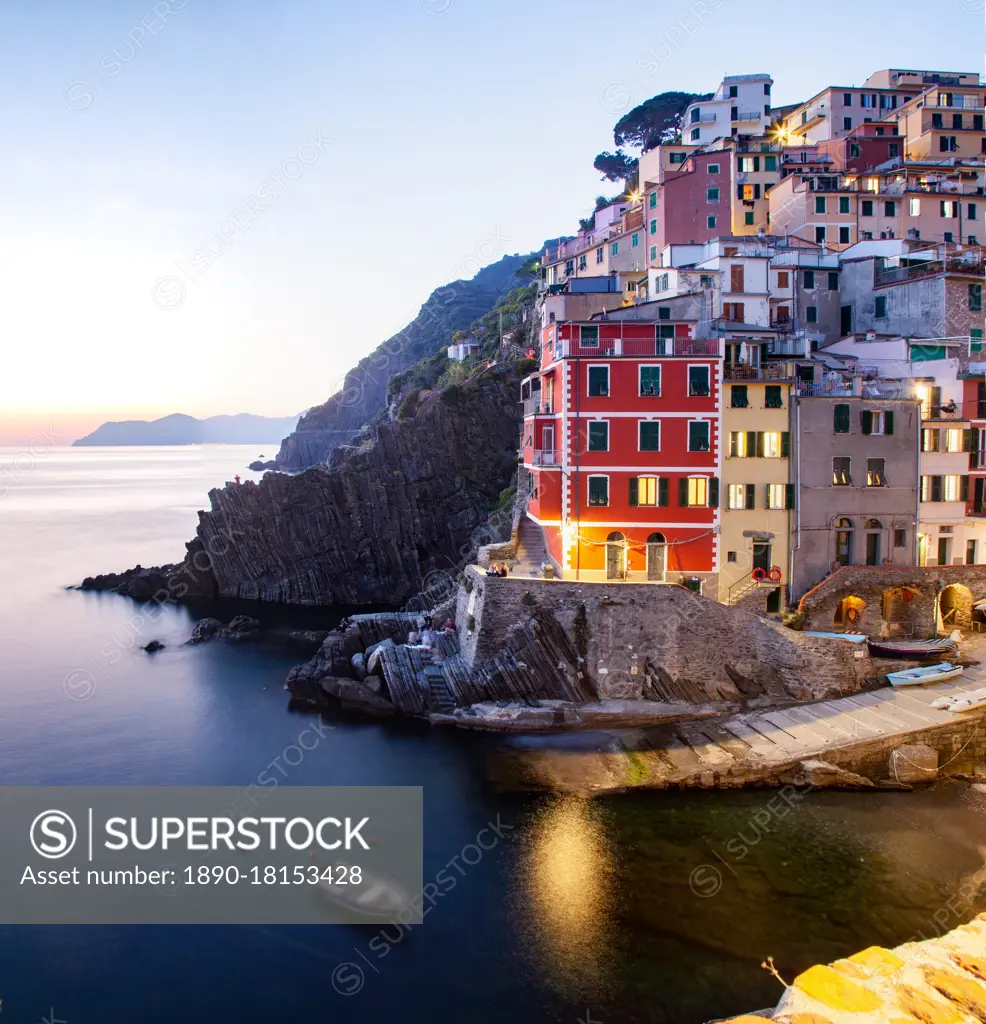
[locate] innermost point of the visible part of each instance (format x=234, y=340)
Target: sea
x=648, y=907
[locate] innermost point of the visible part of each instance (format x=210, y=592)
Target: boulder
x=205, y=629
x=356, y=697
x=358, y=661
x=241, y=627
x=153, y=645
x=914, y=762
x=817, y=774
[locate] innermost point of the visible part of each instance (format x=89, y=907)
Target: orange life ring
x=908, y=596
x=853, y=614
x=759, y=574
x=774, y=575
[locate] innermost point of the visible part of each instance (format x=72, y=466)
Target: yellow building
x=757, y=494
x=943, y=123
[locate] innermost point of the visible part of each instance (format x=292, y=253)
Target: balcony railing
x=826, y=389
x=609, y=347
x=769, y=371
x=546, y=457
x=702, y=118
x=974, y=267
x=948, y=411
x=747, y=115
x=977, y=460
x=538, y=407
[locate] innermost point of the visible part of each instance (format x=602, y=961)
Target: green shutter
x=751, y=496
x=683, y=492
x=714, y=491
x=789, y=496
x=967, y=441
x=974, y=443
x=866, y=419
x=888, y=421
x=662, y=492
x=936, y=482
x=841, y=419
x=964, y=489
x=633, y=490
x=785, y=444
x=732, y=443
x=751, y=443
x=759, y=449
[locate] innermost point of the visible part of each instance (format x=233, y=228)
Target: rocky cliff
x=363, y=396
x=371, y=524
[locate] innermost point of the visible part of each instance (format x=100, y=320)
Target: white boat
x=968, y=701
x=925, y=675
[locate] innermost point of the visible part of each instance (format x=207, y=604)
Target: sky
x=217, y=207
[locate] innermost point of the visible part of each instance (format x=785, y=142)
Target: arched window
x=616, y=556
x=657, y=557
x=874, y=524
x=844, y=541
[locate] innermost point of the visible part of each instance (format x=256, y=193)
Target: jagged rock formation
x=179, y=581
x=369, y=526
x=363, y=396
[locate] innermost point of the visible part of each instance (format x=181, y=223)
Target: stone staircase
x=531, y=549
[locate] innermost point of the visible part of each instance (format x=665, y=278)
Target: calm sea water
x=646, y=908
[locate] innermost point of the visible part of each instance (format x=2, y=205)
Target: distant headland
x=243, y=428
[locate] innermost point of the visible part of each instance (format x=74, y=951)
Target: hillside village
x=765, y=361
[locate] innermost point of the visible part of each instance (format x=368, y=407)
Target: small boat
x=924, y=676
x=854, y=638
x=968, y=701
x=373, y=898
x=913, y=648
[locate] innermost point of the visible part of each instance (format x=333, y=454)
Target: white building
x=741, y=105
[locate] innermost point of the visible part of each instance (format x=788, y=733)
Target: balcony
x=702, y=118
x=538, y=406
x=545, y=457
x=975, y=266
x=637, y=347
x=951, y=411
x=747, y=115
x=977, y=460
x=769, y=371
x=825, y=389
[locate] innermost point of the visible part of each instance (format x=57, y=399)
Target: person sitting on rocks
x=449, y=626
x=429, y=637
x=414, y=637
x=501, y=569
x=491, y=569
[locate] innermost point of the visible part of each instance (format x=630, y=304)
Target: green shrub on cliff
x=506, y=499
x=409, y=406
x=526, y=366
x=451, y=395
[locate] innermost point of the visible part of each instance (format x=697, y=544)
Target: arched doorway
x=899, y=615
x=955, y=608
x=616, y=556
x=844, y=530
x=874, y=536
x=657, y=557
x=849, y=612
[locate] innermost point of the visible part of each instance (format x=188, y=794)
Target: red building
x=621, y=444
x=974, y=408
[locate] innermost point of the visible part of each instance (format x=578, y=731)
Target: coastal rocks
x=241, y=627
x=190, y=578
x=355, y=696
x=153, y=646
x=381, y=520
x=818, y=774
x=258, y=465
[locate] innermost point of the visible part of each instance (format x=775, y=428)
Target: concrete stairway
x=531, y=550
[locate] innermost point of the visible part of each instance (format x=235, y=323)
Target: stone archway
x=616, y=556
x=955, y=608
x=899, y=615
x=849, y=612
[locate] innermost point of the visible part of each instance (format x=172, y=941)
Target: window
x=569, y=266
x=867, y=99
x=598, y=381
x=650, y=381
x=739, y=397
x=772, y=398
x=900, y=538
x=970, y=212
x=819, y=234
x=953, y=439
x=854, y=150
x=698, y=435
x=598, y=490
x=957, y=121
x=833, y=281
x=653, y=252
x=710, y=223
x=582, y=262
x=952, y=487
x=936, y=121
x=881, y=307
x=634, y=240
x=599, y=255
x=736, y=496
x=712, y=168
x=712, y=195
x=841, y=471
x=811, y=314
x=742, y=444
x=614, y=249
x=914, y=207
x=890, y=208
x=819, y=204
x=696, y=134
x=949, y=209
x=847, y=125
x=664, y=312
x=588, y=335
x=733, y=91
x=866, y=208
x=947, y=144
x=677, y=158
x=783, y=281
x=748, y=163
x=876, y=472
x=841, y=419
x=976, y=298
x=843, y=204
x=773, y=444
x=730, y=556
x=877, y=421
x=843, y=236
x=748, y=218
x=766, y=88
x=644, y=490
x=777, y=496
x=746, y=192
x=653, y=226
x=930, y=440
x=893, y=150
x=696, y=492
x=598, y=436
x=847, y=99
x=809, y=279
x=649, y=436
x=698, y=381
x=770, y=163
